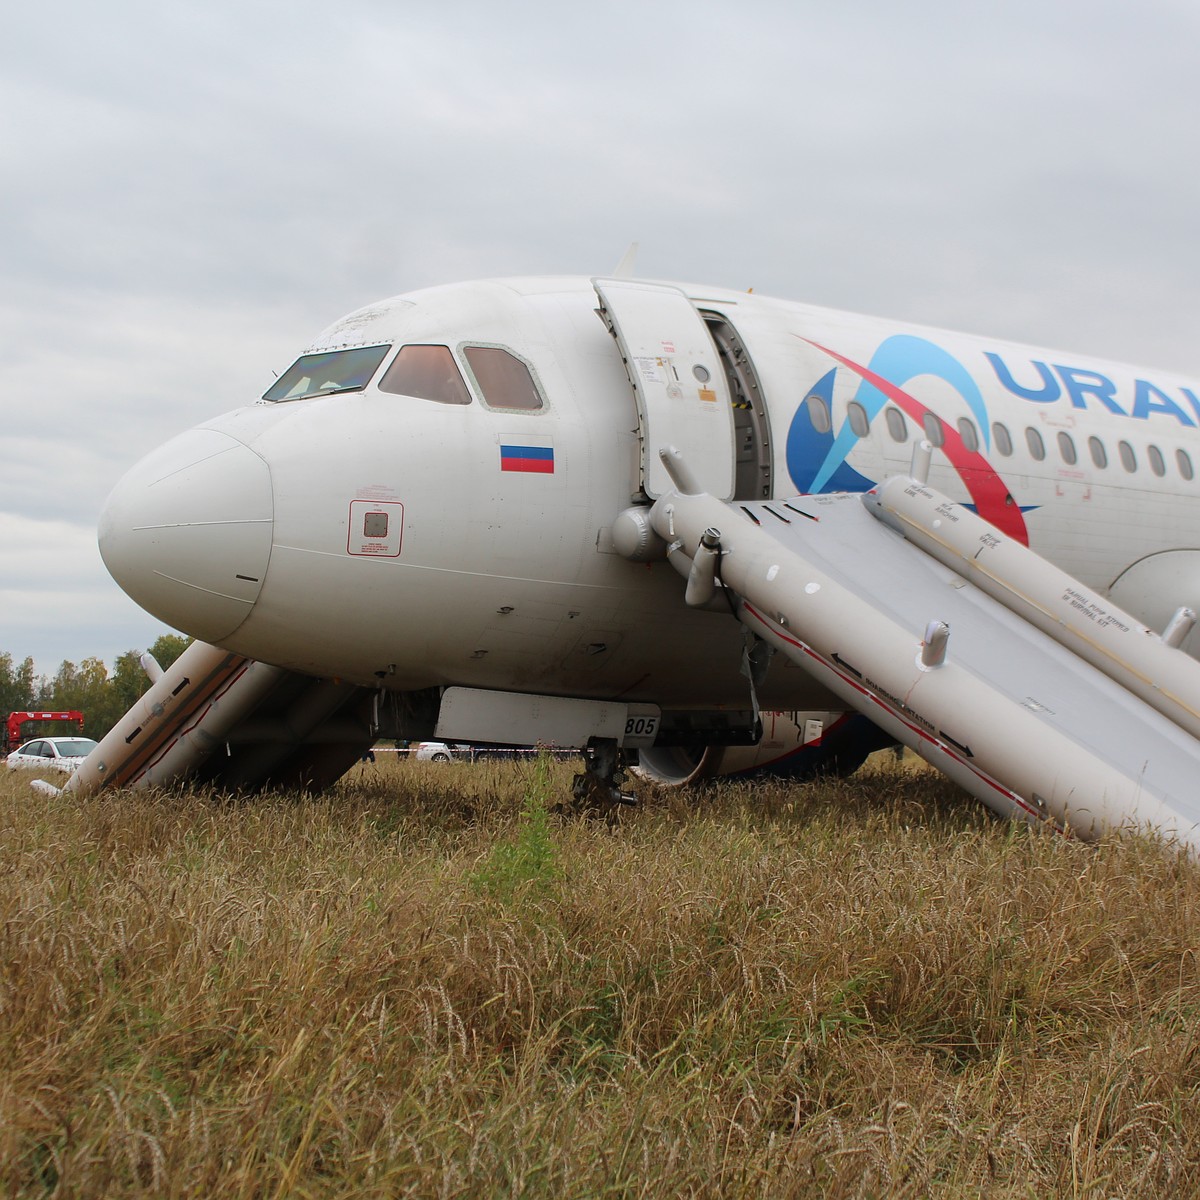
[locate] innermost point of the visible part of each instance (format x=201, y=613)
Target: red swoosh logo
x=993, y=501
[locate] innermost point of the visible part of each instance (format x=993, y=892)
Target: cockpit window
x=328, y=372
x=427, y=372
x=503, y=378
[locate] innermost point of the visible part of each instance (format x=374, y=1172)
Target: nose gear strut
x=596, y=791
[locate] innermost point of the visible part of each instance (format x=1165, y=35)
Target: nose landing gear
x=596, y=790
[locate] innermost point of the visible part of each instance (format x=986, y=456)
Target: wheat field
x=420, y=984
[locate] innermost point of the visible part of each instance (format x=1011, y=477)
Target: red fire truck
x=14, y=728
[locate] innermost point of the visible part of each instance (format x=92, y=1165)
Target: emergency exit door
x=678, y=381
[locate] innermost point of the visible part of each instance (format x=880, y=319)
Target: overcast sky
x=190, y=191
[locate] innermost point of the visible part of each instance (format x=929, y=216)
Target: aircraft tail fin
x=624, y=269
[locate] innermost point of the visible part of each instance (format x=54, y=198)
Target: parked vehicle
x=53, y=753
x=442, y=751
x=14, y=725
x=466, y=752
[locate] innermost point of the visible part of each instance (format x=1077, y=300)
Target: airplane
x=464, y=512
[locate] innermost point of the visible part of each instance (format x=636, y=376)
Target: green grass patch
x=423, y=984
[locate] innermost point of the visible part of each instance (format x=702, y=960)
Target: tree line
x=103, y=697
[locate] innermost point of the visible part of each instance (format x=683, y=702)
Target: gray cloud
x=191, y=192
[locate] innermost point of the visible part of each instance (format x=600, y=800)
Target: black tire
x=441, y=756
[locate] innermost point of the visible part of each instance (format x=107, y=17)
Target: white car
x=52, y=753
x=441, y=751
x=466, y=752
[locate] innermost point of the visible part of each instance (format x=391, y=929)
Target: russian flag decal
x=536, y=459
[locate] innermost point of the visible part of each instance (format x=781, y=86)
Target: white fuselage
x=385, y=538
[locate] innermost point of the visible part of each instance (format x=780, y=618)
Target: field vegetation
x=422, y=984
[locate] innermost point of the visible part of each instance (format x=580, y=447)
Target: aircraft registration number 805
x=641, y=725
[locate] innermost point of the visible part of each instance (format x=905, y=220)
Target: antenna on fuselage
x=624, y=269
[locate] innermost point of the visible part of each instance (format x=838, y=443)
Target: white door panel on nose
x=683, y=399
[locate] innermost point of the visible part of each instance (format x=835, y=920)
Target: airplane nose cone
x=187, y=532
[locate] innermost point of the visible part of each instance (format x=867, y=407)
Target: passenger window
x=897, y=426
x=1033, y=440
x=968, y=433
x=1098, y=452
x=1184, y=462
x=1155, y=458
x=1128, y=458
x=428, y=373
x=503, y=378
x=818, y=414
x=1002, y=438
x=1066, y=447
x=933, y=430
x=859, y=424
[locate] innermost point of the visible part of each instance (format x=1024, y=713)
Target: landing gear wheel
x=596, y=791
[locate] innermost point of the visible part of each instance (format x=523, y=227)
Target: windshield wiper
x=333, y=390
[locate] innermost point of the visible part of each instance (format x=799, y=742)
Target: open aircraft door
x=682, y=394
